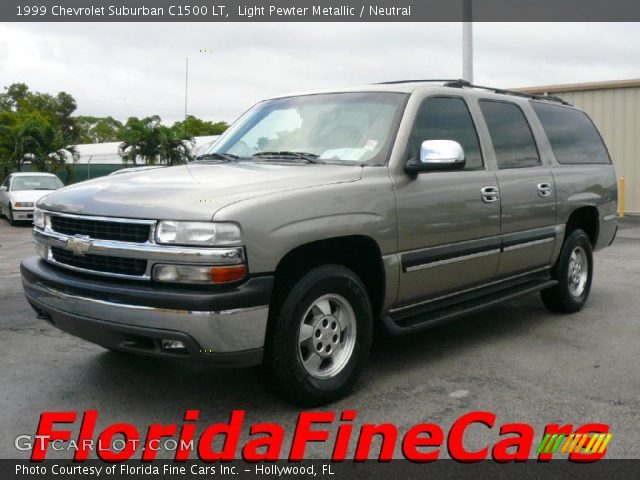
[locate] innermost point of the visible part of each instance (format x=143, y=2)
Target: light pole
x=467, y=41
x=186, y=84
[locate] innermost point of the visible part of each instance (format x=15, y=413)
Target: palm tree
x=33, y=138
x=154, y=143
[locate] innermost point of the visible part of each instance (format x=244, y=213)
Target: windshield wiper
x=228, y=157
x=309, y=157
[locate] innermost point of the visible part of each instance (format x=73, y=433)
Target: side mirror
x=438, y=155
x=3, y=188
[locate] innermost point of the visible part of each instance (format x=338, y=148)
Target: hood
x=190, y=192
x=28, y=195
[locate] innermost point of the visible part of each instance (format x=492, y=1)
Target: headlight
x=38, y=218
x=23, y=205
x=205, y=234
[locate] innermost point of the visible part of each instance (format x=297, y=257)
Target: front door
x=449, y=222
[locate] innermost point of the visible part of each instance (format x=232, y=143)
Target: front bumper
x=226, y=326
x=23, y=214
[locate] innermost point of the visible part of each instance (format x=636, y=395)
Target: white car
x=20, y=192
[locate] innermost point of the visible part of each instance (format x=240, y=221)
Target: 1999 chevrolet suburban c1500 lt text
x=316, y=216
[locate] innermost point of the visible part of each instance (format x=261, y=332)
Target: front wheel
x=319, y=338
x=10, y=216
x=574, y=271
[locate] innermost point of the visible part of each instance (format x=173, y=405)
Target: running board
x=426, y=315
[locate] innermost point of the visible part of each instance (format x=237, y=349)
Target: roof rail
x=459, y=83
x=393, y=82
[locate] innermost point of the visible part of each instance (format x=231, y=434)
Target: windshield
x=35, y=182
x=349, y=127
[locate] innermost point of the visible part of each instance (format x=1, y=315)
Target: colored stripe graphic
x=574, y=443
x=570, y=440
x=543, y=443
x=605, y=443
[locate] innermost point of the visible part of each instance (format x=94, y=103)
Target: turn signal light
x=228, y=274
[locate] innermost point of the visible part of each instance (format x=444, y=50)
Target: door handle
x=544, y=189
x=490, y=194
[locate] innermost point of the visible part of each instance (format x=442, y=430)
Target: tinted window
x=511, y=135
x=573, y=136
x=444, y=118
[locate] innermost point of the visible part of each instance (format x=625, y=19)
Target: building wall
x=616, y=113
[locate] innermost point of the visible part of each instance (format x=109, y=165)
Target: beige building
x=615, y=108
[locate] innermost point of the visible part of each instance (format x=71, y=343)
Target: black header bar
x=319, y=10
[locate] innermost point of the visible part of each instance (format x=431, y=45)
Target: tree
x=195, y=127
x=35, y=127
x=153, y=142
x=98, y=129
x=32, y=138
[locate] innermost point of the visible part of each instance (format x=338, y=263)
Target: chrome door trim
x=452, y=260
x=528, y=244
x=416, y=260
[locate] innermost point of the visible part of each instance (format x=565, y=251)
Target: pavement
x=517, y=360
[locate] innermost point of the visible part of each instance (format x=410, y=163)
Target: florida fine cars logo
x=79, y=244
x=423, y=442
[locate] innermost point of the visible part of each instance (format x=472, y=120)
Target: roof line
x=576, y=87
x=465, y=84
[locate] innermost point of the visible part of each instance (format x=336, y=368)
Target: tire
x=319, y=337
x=574, y=272
x=12, y=222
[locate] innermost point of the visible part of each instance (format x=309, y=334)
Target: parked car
x=317, y=216
x=20, y=192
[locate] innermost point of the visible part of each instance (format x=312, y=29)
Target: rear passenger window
x=446, y=118
x=511, y=135
x=573, y=136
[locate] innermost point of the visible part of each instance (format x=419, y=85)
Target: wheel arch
x=585, y=218
x=359, y=253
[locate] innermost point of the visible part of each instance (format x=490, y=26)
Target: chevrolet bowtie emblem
x=79, y=244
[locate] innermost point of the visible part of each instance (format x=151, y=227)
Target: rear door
x=527, y=190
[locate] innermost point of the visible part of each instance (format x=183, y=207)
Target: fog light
x=199, y=274
x=174, y=346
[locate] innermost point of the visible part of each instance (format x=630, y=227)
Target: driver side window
x=446, y=118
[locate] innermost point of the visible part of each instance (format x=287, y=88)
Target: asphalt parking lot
x=517, y=360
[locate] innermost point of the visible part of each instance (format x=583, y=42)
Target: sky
x=138, y=69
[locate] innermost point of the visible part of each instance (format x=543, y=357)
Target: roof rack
x=459, y=83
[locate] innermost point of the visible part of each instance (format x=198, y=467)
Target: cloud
x=126, y=69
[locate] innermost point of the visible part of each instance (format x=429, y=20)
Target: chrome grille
x=101, y=229
x=100, y=263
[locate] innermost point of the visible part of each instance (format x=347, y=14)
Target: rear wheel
x=574, y=272
x=319, y=338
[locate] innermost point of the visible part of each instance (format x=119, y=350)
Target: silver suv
x=316, y=216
